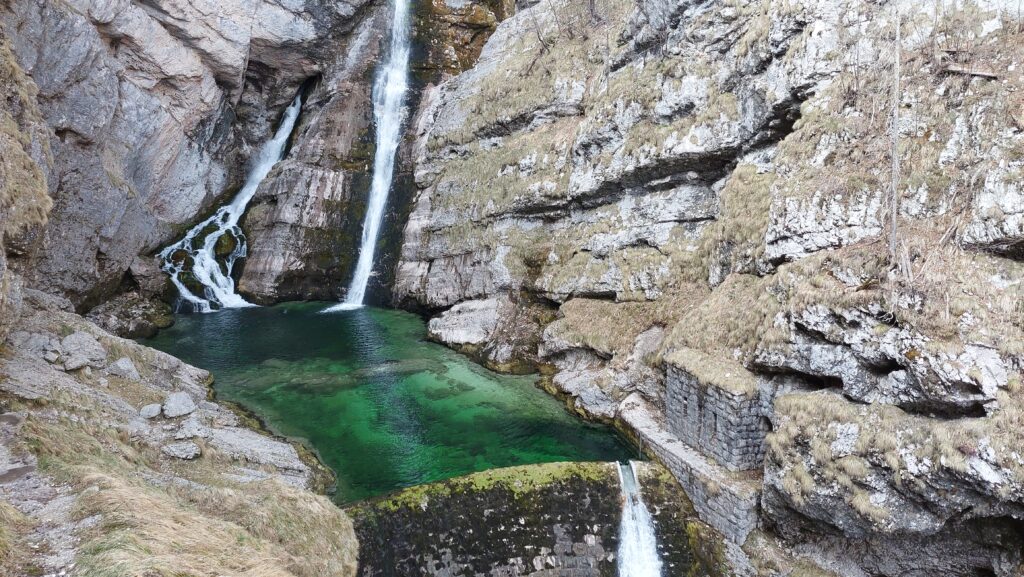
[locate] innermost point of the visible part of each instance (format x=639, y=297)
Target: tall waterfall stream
x=638, y=543
x=388, y=106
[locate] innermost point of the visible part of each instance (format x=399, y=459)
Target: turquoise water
x=384, y=408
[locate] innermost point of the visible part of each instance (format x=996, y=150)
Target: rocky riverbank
x=112, y=455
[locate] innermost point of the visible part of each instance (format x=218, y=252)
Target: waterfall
x=388, y=102
x=197, y=252
x=638, y=544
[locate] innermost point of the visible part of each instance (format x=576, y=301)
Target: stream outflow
x=638, y=542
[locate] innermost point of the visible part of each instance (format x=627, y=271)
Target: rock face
x=152, y=108
x=137, y=488
x=697, y=197
x=304, y=224
x=24, y=154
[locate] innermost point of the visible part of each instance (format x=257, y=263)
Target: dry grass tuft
x=24, y=199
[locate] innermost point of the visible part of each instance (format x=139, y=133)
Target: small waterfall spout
x=638, y=543
x=219, y=235
x=388, y=104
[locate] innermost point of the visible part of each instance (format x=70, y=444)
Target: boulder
x=82, y=349
x=150, y=411
x=467, y=323
x=178, y=405
x=191, y=428
x=124, y=368
x=186, y=450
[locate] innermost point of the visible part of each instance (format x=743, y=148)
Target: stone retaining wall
x=725, y=500
x=727, y=425
x=550, y=520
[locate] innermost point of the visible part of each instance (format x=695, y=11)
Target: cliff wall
x=681, y=211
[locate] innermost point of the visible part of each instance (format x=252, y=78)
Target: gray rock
x=256, y=448
x=467, y=323
x=147, y=274
x=191, y=428
x=186, y=450
x=131, y=315
x=124, y=368
x=178, y=405
x=150, y=411
x=82, y=349
x=51, y=357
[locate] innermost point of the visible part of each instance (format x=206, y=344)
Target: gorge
x=616, y=287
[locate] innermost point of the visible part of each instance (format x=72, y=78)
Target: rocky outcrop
x=152, y=108
x=304, y=223
x=701, y=190
x=152, y=475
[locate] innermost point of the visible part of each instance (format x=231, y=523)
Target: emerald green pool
x=384, y=408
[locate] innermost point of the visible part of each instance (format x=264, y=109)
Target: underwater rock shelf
x=381, y=406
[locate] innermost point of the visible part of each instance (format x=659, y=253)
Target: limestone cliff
x=305, y=223
x=682, y=209
x=152, y=109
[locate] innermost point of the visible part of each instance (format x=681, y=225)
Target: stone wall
x=727, y=501
x=550, y=520
x=725, y=424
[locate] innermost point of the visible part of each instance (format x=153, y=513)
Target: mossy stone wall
x=550, y=520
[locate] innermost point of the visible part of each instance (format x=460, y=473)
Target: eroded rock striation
x=697, y=197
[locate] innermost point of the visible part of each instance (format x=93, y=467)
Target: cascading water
x=197, y=252
x=638, y=543
x=388, y=105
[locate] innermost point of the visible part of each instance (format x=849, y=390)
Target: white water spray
x=388, y=104
x=218, y=286
x=638, y=543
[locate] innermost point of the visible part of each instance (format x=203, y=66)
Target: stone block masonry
x=723, y=422
x=547, y=520
x=728, y=501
